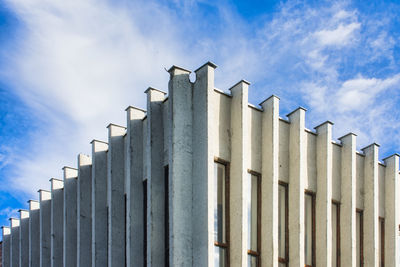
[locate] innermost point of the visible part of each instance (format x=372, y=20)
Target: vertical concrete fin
x=155, y=176
x=238, y=174
x=57, y=225
x=6, y=246
x=14, y=244
x=204, y=131
x=297, y=166
x=99, y=203
x=24, y=238
x=134, y=191
x=34, y=233
x=45, y=228
x=348, y=200
x=371, y=205
x=84, y=211
x=270, y=178
x=392, y=213
x=324, y=195
x=180, y=167
x=70, y=216
x=116, y=195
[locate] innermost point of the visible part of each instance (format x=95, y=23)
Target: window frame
x=361, y=212
x=227, y=206
x=337, y=204
x=313, y=237
x=258, y=252
x=382, y=243
x=286, y=259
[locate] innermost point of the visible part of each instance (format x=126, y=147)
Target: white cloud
x=341, y=36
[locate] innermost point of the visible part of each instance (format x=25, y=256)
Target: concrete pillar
x=34, y=233
x=371, y=206
x=57, y=225
x=24, y=238
x=180, y=167
x=134, y=189
x=155, y=176
x=392, y=212
x=348, y=254
x=269, y=183
x=99, y=203
x=84, y=211
x=115, y=196
x=323, y=216
x=6, y=251
x=14, y=244
x=203, y=166
x=238, y=175
x=70, y=217
x=297, y=166
x=45, y=228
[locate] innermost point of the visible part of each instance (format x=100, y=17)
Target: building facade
x=202, y=178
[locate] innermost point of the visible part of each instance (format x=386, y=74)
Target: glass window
x=335, y=234
x=359, y=238
x=309, y=218
x=381, y=242
x=253, y=218
x=220, y=214
x=282, y=223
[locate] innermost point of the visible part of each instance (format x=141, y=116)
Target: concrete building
x=202, y=178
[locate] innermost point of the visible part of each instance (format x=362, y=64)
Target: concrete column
x=99, y=203
x=180, y=167
x=57, y=225
x=203, y=166
x=155, y=176
x=24, y=238
x=323, y=216
x=14, y=244
x=115, y=196
x=392, y=212
x=371, y=206
x=134, y=189
x=45, y=228
x=348, y=254
x=297, y=166
x=269, y=183
x=84, y=211
x=238, y=175
x=34, y=233
x=6, y=251
x=70, y=217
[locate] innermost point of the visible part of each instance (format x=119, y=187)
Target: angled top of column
x=392, y=158
x=135, y=113
x=295, y=113
x=98, y=146
x=23, y=214
x=44, y=195
x=70, y=173
x=324, y=127
x=116, y=130
x=14, y=222
x=269, y=99
x=175, y=70
x=208, y=64
x=240, y=85
x=5, y=230
x=84, y=160
x=56, y=184
x=34, y=204
x=154, y=95
x=370, y=148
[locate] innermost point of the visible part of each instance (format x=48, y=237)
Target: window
x=221, y=213
x=359, y=238
x=335, y=233
x=166, y=211
x=309, y=231
x=254, y=218
x=145, y=222
x=381, y=242
x=283, y=227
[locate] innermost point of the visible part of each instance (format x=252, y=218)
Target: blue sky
x=68, y=68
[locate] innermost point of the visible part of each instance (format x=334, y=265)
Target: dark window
x=254, y=218
x=360, y=238
x=309, y=229
x=335, y=234
x=382, y=241
x=283, y=227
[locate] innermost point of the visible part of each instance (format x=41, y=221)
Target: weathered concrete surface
x=24, y=238
x=5, y=260
x=57, y=225
x=14, y=244
x=134, y=188
x=84, y=211
x=45, y=228
x=99, y=203
x=70, y=217
x=34, y=233
x=116, y=196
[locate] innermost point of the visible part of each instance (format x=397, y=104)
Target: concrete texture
x=14, y=244
x=24, y=238
x=45, y=228
x=6, y=245
x=34, y=233
x=57, y=217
